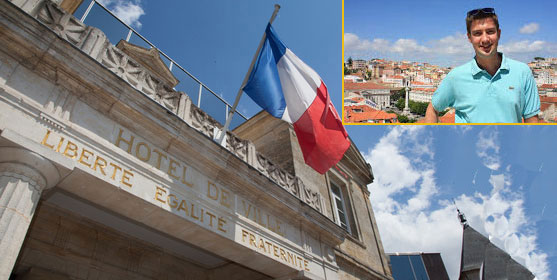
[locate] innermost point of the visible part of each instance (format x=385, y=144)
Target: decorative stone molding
x=150, y=59
x=18, y=172
x=312, y=198
x=121, y=64
x=23, y=162
x=94, y=42
x=59, y=104
x=167, y=97
x=31, y=7
x=202, y=122
x=62, y=23
x=237, y=146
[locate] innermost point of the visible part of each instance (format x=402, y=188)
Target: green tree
x=398, y=95
x=405, y=119
x=402, y=119
x=350, y=61
x=400, y=103
x=418, y=108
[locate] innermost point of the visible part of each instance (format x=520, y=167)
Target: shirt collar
x=476, y=69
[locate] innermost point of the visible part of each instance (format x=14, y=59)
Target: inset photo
x=431, y=62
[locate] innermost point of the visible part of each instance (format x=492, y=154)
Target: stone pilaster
x=23, y=177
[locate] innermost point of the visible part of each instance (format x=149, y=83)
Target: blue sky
x=216, y=40
x=434, y=31
x=502, y=178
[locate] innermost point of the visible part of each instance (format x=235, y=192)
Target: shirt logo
x=511, y=88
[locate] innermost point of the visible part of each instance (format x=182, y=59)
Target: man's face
x=484, y=37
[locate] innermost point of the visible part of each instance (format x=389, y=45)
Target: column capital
x=28, y=164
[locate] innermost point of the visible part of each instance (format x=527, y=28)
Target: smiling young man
x=490, y=88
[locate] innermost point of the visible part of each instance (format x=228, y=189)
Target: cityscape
x=375, y=90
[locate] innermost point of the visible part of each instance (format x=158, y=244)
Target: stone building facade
x=107, y=172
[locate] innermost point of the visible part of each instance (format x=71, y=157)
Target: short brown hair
x=481, y=15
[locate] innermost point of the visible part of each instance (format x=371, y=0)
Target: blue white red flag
x=288, y=89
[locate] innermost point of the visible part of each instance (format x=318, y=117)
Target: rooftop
x=363, y=86
x=367, y=113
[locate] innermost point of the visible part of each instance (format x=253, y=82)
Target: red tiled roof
x=548, y=99
x=425, y=89
x=546, y=102
x=367, y=114
x=363, y=86
x=548, y=86
x=418, y=83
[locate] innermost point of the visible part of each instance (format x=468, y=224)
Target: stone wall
x=61, y=245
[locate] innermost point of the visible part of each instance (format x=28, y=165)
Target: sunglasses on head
x=483, y=10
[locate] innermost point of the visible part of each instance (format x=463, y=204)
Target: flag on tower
x=290, y=90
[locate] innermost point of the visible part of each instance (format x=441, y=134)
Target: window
x=409, y=267
x=339, y=207
x=341, y=202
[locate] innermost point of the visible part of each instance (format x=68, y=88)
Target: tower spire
x=461, y=216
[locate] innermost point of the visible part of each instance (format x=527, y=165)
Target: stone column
x=406, y=110
x=23, y=177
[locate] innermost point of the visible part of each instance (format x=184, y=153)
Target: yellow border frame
x=387, y=124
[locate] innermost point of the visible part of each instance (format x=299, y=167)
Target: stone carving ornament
x=62, y=23
x=119, y=63
x=237, y=146
x=168, y=97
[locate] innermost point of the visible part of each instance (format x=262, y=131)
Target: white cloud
x=128, y=11
x=461, y=129
x=396, y=169
x=456, y=44
x=412, y=219
x=408, y=46
x=524, y=46
x=449, y=50
x=530, y=28
x=487, y=148
x=353, y=44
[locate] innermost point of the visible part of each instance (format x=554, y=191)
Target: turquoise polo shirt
x=477, y=97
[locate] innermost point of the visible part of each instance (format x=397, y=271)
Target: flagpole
x=231, y=113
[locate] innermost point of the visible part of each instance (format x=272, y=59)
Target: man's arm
x=431, y=116
x=532, y=99
x=533, y=119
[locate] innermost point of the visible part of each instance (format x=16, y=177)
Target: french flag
x=288, y=89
